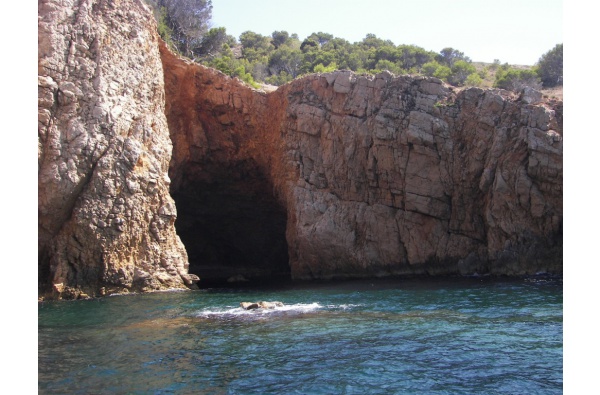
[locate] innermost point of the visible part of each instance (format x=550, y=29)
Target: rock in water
x=260, y=305
x=249, y=305
x=269, y=305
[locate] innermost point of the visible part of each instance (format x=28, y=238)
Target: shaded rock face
x=106, y=220
x=379, y=175
x=225, y=167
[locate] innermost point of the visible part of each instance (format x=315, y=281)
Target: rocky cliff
x=333, y=175
x=399, y=175
x=379, y=175
x=106, y=219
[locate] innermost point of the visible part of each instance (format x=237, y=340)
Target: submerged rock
x=260, y=305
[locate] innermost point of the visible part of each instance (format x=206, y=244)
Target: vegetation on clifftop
x=282, y=57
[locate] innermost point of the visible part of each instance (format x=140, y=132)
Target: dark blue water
x=463, y=336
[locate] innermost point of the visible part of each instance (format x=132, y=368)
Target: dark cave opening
x=233, y=227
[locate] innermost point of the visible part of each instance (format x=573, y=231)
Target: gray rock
x=530, y=95
x=260, y=305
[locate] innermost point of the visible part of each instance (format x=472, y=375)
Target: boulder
x=260, y=305
x=249, y=305
x=530, y=95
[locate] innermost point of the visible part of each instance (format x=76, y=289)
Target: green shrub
x=473, y=80
x=164, y=30
x=322, y=69
x=516, y=79
x=461, y=69
x=279, y=79
x=442, y=72
x=550, y=67
x=430, y=68
x=241, y=73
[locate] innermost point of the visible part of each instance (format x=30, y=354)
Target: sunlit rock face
x=106, y=219
x=330, y=176
x=401, y=175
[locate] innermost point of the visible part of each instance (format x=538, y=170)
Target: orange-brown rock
x=378, y=175
x=227, y=173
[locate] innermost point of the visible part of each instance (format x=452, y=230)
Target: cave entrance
x=233, y=227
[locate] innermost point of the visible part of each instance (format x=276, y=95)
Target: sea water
x=449, y=336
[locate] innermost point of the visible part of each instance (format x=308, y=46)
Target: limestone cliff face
x=399, y=175
x=378, y=175
x=333, y=175
x=105, y=214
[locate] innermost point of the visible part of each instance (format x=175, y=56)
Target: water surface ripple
x=453, y=336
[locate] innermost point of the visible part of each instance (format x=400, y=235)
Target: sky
x=512, y=31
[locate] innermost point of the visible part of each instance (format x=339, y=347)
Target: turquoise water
x=452, y=336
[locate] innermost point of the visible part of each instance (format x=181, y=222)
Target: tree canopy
x=188, y=20
x=550, y=67
x=514, y=79
x=281, y=56
x=448, y=56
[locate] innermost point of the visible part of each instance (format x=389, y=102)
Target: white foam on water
x=343, y=306
x=286, y=309
x=299, y=308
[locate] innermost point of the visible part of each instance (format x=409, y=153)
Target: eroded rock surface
x=382, y=175
x=227, y=173
x=400, y=175
x=333, y=175
x=105, y=214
